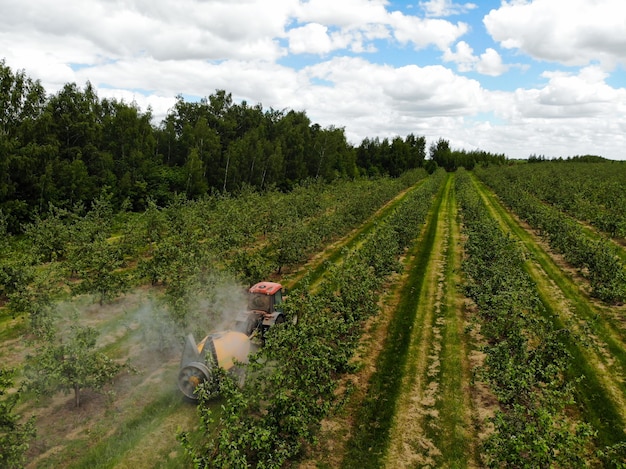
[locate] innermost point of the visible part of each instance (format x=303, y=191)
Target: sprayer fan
x=190, y=376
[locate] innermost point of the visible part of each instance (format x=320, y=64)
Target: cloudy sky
x=545, y=77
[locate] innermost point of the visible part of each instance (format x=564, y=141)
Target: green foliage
x=293, y=245
x=95, y=259
x=62, y=148
x=597, y=258
x=70, y=364
x=5, y=237
x=527, y=364
x=534, y=437
x=15, y=433
x=98, y=268
x=49, y=235
x=614, y=456
x=444, y=157
x=291, y=382
x=16, y=273
x=376, y=157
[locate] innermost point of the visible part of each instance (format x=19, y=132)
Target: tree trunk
x=76, y=396
x=226, y=174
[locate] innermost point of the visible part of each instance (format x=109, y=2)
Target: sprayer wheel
x=190, y=376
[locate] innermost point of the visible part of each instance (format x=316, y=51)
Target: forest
x=66, y=149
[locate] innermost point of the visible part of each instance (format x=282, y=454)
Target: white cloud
x=165, y=30
x=342, y=13
x=424, y=32
x=439, y=8
x=312, y=38
x=571, y=32
x=488, y=63
x=570, y=96
x=571, y=114
x=195, y=47
x=379, y=100
x=356, y=23
x=463, y=57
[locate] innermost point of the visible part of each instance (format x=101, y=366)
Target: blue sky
x=518, y=77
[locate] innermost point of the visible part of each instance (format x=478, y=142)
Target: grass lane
x=453, y=434
x=432, y=415
x=371, y=435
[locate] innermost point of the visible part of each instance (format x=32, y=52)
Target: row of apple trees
x=98, y=252
x=526, y=361
x=591, y=192
x=597, y=258
x=529, y=364
x=292, y=381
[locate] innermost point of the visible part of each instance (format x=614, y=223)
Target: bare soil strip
x=596, y=342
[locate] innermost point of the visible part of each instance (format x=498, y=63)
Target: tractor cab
x=265, y=301
x=266, y=297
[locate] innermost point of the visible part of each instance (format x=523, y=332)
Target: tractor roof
x=267, y=288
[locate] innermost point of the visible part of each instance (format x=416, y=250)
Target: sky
x=542, y=77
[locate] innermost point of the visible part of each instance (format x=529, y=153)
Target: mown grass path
x=596, y=343
x=432, y=417
x=416, y=412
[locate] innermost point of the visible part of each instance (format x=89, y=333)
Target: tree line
x=65, y=149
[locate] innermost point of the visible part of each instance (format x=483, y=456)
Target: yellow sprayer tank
x=223, y=349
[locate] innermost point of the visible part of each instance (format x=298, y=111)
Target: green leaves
x=291, y=383
x=596, y=258
x=15, y=432
x=62, y=148
x=71, y=363
x=526, y=361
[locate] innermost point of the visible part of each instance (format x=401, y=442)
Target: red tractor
x=265, y=308
x=227, y=349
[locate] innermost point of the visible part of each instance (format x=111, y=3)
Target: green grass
x=11, y=328
x=108, y=452
x=370, y=439
x=451, y=436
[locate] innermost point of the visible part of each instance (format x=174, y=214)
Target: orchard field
x=453, y=319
